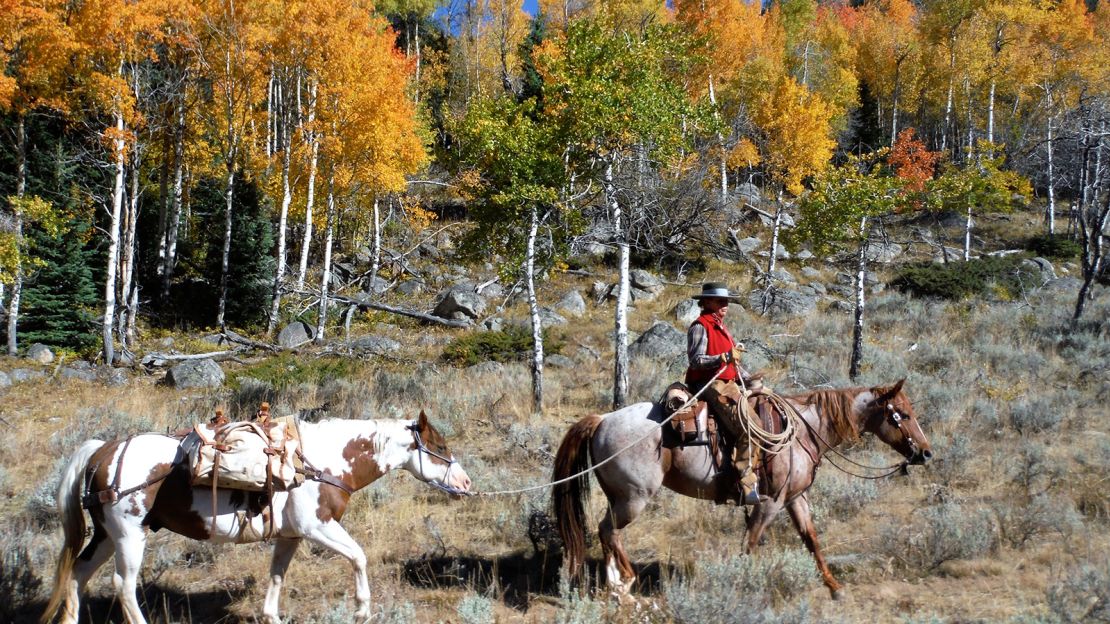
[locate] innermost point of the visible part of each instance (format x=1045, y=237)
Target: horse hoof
x=839, y=594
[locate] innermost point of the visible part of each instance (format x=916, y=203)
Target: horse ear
x=886, y=394
x=422, y=421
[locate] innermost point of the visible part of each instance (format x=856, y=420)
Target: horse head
x=890, y=416
x=432, y=462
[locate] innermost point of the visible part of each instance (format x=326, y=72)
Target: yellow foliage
x=743, y=154
x=796, y=125
x=417, y=219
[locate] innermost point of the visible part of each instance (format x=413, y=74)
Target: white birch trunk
x=225, y=254
x=990, y=116
x=620, y=347
x=269, y=115
x=312, y=160
x=127, y=265
x=283, y=220
x=967, y=234
x=325, y=279
x=1051, y=215
x=175, y=214
x=721, y=140
x=861, y=281
x=534, y=311
x=416, y=91
x=17, y=281
x=951, y=94
x=376, y=255
x=110, y=284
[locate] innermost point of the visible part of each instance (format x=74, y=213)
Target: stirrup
x=751, y=498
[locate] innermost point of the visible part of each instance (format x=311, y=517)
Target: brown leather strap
x=315, y=474
x=215, y=480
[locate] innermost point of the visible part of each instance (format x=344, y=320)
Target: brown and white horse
x=632, y=478
x=349, y=455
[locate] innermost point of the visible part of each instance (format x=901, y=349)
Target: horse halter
x=421, y=450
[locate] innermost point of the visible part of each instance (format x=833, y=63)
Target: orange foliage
x=912, y=161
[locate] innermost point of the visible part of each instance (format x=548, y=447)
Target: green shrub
x=1083, y=595
x=289, y=370
x=1053, y=246
x=1036, y=415
x=958, y=280
x=18, y=582
x=1020, y=521
x=942, y=533
x=475, y=609
x=513, y=343
x=743, y=589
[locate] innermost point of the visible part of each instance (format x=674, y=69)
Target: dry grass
x=1019, y=430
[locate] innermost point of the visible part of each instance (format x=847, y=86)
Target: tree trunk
x=20, y=191
x=990, y=117
x=113, y=245
x=225, y=254
x=312, y=159
x=175, y=214
x=416, y=91
x=127, y=265
x=948, y=104
x=1091, y=231
x=283, y=219
x=1050, y=216
x=772, y=261
x=376, y=256
x=721, y=140
x=620, y=347
x=967, y=234
x=325, y=279
x=534, y=311
x=861, y=281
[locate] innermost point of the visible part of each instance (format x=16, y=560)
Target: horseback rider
x=709, y=346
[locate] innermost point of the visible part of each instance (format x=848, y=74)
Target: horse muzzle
x=920, y=458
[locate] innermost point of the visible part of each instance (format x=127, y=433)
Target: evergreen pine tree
x=251, y=260
x=60, y=300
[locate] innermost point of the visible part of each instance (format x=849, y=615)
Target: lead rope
x=594, y=467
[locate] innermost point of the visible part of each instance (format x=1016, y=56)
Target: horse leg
x=618, y=568
x=803, y=521
x=759, y=519
x=95, y=553
x=284, y=549
x=334, y=537
x=129, y=560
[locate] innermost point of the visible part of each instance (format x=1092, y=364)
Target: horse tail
x=567, y=497
x=73, y=524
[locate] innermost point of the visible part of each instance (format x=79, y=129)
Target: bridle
x=421, y=450
x=899, y=418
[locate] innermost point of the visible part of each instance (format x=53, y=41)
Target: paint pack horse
x=152, y=489
x=650, y=461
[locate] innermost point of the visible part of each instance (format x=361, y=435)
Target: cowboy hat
x=716, y=290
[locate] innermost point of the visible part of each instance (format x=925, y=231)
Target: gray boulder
x=818, y=287
x=117, y=377
x=661, y=341
x=558, y=361
x=550, y=318
x=782, y=275
x=572, y=304
x=599, y=291
x=375, y=344
x=494, y=291
x=460, y=303
x=1060, y=284
x=883, y=253
x=376, y=285
x=486, y=367
x=811, y=273
x=783, y=302
x=80, y=374
x=1042, y=267
x=636, y=294
x=645, y=281
x=750, y=244
x=5, y=381
x=804, y=254
x=40, y=353
x=295, y=334
x=749, y=193
x=787, y=221
x=20, y=375
x=494, y=324
x=687, y=311
x=190, y=374
x=410, y=287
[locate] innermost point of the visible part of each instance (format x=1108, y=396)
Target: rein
x=594, y=467
x=892, y=469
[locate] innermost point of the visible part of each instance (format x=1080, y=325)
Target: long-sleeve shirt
x=697, y=343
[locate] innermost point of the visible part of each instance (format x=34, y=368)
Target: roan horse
x=343, y=456
x=632, y=478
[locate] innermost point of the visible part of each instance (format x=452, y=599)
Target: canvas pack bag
x=245, y=456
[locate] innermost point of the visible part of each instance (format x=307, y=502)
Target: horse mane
x=836, y=405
